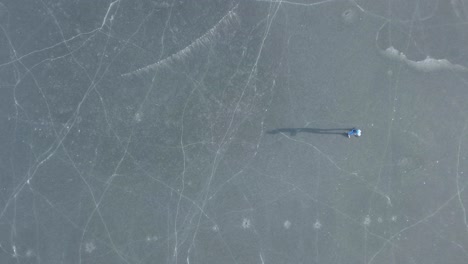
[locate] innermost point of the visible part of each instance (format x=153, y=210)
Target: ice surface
x=177, y=131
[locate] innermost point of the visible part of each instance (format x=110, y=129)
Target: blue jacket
x=354, y=132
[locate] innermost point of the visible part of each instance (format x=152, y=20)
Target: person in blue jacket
x=354, y=132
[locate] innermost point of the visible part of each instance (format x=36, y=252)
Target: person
x=354, y=132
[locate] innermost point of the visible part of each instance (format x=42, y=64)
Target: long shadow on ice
x=292, y=131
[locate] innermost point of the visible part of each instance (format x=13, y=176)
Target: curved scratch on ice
x=209, y=37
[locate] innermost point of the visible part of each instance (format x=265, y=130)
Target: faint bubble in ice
x=246, y=223
x=287, y=224
x=29, y=253
x=350, y=16
x=380, y=220
x=367, y=221
x=90, y=247
x=215, y=228
x=138, y=117
x=3, y=10
x=317, y=225
x=15, y=254
x=151, y=238
x=394, y=218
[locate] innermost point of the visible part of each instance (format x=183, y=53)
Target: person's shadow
x=293, y=131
